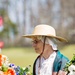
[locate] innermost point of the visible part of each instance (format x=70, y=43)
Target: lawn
x=26, y=56
x=20, y=56
x=68, y=51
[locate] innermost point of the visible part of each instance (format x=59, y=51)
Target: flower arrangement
x=7, y=68
x=70, y=67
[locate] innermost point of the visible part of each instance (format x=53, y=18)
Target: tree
x=8, y=27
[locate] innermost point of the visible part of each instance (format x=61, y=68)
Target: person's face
x=38, y=46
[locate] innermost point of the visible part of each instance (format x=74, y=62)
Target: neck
x=47, y=53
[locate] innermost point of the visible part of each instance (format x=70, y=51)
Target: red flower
x=1, y=44
x=11, y=71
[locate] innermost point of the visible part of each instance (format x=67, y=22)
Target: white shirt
x=46, y=65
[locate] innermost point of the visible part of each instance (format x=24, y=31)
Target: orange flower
x=0, y=60
x=5, y=73
x=0, y=56
x=11, y=71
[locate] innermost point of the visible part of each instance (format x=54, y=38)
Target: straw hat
x=44, y=30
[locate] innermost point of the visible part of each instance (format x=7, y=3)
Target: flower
x=7, y=68
x=70, y=67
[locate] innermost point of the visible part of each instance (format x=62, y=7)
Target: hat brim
x=56, y=37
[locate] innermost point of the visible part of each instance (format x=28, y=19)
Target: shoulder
x=60, y=56
x=61, y=60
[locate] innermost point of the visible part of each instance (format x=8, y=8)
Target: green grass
x=20, y=56
x=68, y=51
x=26, y=56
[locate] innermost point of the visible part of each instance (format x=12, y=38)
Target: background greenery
x=21, y=16
x=26, y=56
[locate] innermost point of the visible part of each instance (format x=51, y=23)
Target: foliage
x=7, y=24
x=70, y=66
x=2, y=12
x=7, y=68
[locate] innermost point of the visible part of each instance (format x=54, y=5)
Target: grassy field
x=26, y=56
x=68, y=51
x=20, y=56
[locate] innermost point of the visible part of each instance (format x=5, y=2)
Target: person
x=50, y=60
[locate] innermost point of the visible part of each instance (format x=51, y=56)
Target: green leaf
x=4, y=68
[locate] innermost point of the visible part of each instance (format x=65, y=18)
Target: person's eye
x=35, y=41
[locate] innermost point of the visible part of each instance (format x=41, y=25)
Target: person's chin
x=36, y=50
